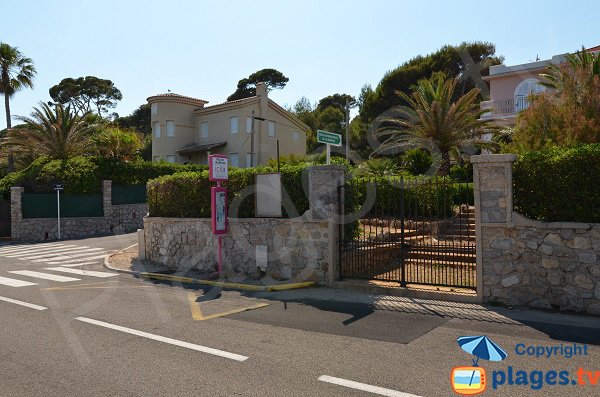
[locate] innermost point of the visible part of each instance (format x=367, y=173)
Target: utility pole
x=347, y=129
x=252, y=141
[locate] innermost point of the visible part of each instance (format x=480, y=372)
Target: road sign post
x=329, y=138
x=58, y=187
x=218, y=171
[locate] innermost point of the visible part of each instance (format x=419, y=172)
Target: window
x=233, y=125
x=296, y=136
x=170, y=128
x=156, y=128
x=154, y=108
x=249, y=125
x=170, y=158
x=271, y=128
x=249, y=160
x=524, y=90
x=204, y=129
x=234, y=159
x=156, y=158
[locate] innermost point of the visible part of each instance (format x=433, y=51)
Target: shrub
x=559, y=184
x=83, y=175
x=417, y=161
x=462, y=173
x=187, y=194
x=378, y=167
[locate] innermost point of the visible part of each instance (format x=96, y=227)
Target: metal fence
x=128, y=194
x=43, y=205
x=408, y=231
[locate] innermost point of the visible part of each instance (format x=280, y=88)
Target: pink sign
x=218, y=167
x=218, y=202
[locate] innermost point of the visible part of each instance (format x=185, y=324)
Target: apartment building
x=249, y=131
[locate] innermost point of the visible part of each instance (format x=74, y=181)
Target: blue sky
x=202, y=48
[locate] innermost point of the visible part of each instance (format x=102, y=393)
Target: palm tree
x=57, y=132
x=435, y=120
x=116, y=143
x=16, y=72
x=581, y=64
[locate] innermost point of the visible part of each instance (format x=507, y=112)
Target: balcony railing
x=505, y=107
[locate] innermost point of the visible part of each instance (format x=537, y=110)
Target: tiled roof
x=178, y=98
x=229, y=102
x=200, y=148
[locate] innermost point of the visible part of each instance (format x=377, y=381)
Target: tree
x=57, y=132
x=246, y=88
x=87, y=94
x=139, y=119
x=118, y=144
x=434, y=119
x=570, y=112
x=337, y=101
x=16, y=72
x=455, y=61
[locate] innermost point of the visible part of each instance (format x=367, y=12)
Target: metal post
x=402, y=248
x=347, y=130
x=220, y=246
x=252, y=141
x=58, y=210
x=328, y=154
x=278, y=155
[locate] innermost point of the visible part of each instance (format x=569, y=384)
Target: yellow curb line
x=198, y=315
x=226, y=284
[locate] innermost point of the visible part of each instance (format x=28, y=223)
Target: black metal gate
x=414, y=231
x=4, y=218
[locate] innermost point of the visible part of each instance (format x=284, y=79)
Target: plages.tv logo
x=470, y=380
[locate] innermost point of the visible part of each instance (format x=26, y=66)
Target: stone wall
x=117, y=219
x=525, y=262
x=297, y=248
x=302, y=248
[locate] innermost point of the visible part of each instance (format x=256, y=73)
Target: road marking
x=198, y=315
x=365, y=387
x=34, y=251
x=66, y=257
x=79, y=264
x=11, y=282
x=18, y=248
x=82, y=272
x=21, y=303
x=76, y=260
x=45, y=276
x=158, y=338
x=65, y=252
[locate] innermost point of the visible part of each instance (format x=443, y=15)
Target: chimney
x=261, y=89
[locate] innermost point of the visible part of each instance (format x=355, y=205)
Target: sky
x=202, y=48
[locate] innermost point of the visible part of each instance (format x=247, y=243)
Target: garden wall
x=117, y=219
x=548, y=265
x=301, y=248
x=297, y=248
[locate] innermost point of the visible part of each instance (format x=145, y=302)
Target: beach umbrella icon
x=481, y=347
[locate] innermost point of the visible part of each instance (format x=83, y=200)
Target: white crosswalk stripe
x=66, y=251
x=82, y=272
x=11, y=282
x=44, y=276
x=78, y=264
x=30, y=247
x=74, y=260
x=65, y=257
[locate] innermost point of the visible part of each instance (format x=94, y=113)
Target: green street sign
x=329, y=138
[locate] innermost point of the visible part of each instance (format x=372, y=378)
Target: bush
x=559, y=184
x=187, y=194
x=462, y=173
x=417, y=161
x=83, y=175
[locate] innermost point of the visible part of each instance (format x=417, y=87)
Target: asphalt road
x=108, y=334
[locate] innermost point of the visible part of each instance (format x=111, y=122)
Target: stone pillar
x=16, y=211
x=323, y=183
x=493, y=190
x=107, y=198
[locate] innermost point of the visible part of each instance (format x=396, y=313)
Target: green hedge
x=559, y=184
x=187, y=194
x=83, y=175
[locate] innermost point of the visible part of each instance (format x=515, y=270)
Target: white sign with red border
x=218, y=169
